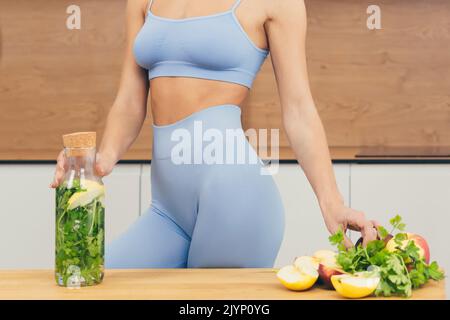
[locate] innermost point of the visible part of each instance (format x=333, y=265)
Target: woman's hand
x=341, y=216
x=103, y=166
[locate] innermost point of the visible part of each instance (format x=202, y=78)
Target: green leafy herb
x=397, y=223
x=338, y=239
x=400, y=271
x=382, y=232
x=79, y=238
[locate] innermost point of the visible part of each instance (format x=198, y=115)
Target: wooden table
x=173, y=284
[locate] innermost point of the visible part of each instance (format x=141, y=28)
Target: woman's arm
x=129, y=109
x=286, y=31
x=128, y=112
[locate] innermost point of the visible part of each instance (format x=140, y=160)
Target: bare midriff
x=175, y=98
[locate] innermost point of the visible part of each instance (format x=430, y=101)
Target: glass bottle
x=80, y=216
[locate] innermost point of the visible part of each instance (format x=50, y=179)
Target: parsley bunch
x=79, y=238
x=400, y=271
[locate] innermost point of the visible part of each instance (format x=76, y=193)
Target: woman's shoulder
x=138, y=5
x=279, y=9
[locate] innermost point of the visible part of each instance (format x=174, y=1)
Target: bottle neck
x=80, y=163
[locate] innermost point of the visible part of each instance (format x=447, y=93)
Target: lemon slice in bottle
x=82, y=198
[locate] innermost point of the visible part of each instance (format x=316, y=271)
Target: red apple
x=326, y=272
x=420, y=242
x=327, y=266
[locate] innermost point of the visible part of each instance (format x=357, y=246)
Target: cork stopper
x=78, y=142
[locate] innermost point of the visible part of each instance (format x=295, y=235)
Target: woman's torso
x=195, y=31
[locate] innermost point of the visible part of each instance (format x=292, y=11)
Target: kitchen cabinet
x=419, y=193
x=146, y=188
x=122, y=198
x=27, y=226
x=28, y=210
x=305, y=230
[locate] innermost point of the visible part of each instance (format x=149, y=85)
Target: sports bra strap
x=149, y=5
x=236, y=4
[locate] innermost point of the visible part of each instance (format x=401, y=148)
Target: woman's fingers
x=354, y=220
x=334, y=227
x=59, y=171
x=102, y=168
x=347, y=242
x=375, y=223
x=103, y=165
x=357, y=221
x=369, y=233
x=99, y=170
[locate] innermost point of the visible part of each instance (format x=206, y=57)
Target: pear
x=300, y=276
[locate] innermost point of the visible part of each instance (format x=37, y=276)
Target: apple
x=420, y=242
x=327, y=266
x=326, y=271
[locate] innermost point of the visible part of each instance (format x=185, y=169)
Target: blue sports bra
x=214, y=47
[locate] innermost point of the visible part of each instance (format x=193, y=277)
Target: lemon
x=82, y=198
x=355, y=286
x=297, y=279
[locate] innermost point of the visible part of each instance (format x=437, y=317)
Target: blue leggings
x=209, y=208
